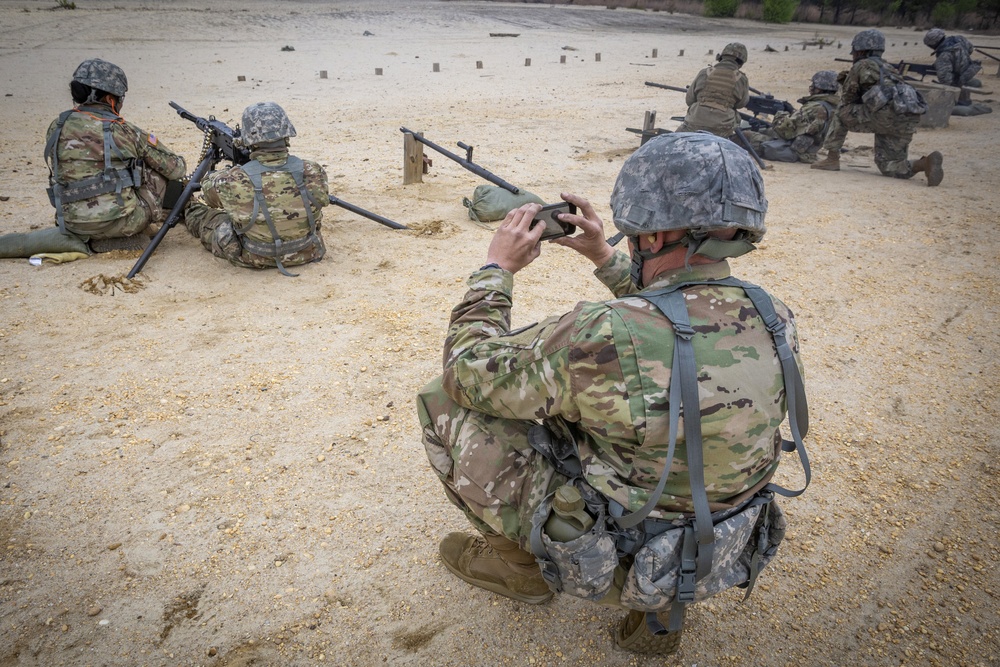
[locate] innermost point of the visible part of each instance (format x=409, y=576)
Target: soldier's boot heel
x=830, y=163
x=495, y=564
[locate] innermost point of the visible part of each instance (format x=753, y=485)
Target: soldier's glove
x=842, y=76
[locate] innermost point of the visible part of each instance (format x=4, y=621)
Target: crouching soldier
x=265, y=213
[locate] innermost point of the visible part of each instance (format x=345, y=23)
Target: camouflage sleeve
x=944, y=67
x=316, y=182
x=851, y=87
x=616, y=274
x=210, y=188
x=809, y=120
x=521, y=374
x=159, y=158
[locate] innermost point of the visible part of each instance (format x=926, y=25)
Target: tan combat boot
x=830, y=163
x=633, y=635
x=497, y=564
x=930, y=164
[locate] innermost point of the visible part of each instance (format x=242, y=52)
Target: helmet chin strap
x=697, y=243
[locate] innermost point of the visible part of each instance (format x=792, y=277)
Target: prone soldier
x=798, y=136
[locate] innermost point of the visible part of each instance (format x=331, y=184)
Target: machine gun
x=739, y=133
x=465, y=162
x=221, y=143
x=766, y=103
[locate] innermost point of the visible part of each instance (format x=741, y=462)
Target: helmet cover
x=263, y=122
x=825, y=80
x=689, y=180
x=102, y=75
x=868, y=40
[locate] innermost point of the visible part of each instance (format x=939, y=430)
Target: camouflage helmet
x=734, y=50
x=825, y=80
x=934, y=37
x=102, y=75
x=689, y=180
x=263, y=122
x=868, y=40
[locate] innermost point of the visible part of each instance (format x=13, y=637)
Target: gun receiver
x=466, y=162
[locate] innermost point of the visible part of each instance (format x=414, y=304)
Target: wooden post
x=322, y=74
x=437, y=67
x=654, y=53
x=562, y=60
x=648, y=125
x=378, y=71
x=479, y=64
x=597, y=57
x=241, y=78
x=527, y=62
x=413, y=160
x=681, y=53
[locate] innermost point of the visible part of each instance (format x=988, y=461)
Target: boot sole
x=498, y=588
x=641, y=641
x=935, y=172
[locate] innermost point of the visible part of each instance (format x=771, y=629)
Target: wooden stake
x=437, y=67
x=322, y=74
x=413, y=160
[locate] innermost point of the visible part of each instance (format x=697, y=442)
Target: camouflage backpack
x=653, y=565
x=905, y=99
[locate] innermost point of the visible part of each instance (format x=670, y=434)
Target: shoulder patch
x=152, y=139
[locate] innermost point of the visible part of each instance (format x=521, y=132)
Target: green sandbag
x=49, y=240
x=490, y=202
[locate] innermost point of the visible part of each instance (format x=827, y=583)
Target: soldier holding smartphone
x=597, y=377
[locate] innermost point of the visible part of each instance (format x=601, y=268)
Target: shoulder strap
x=51, y=153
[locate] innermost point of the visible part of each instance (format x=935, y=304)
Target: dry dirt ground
x=215, y=466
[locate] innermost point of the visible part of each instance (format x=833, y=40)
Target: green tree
x=721, y=7
x=943, y=14
x=779, y=11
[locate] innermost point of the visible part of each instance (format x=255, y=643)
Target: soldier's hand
x=589, y=240
x=515, y=244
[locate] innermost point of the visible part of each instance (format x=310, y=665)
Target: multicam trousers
x=215, y=229
x=893, y=133
x=488, y=468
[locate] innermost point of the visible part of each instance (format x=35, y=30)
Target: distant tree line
x=961, y=14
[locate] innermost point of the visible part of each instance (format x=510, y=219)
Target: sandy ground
x=223, y=467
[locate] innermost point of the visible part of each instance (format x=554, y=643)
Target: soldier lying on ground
x=798, y=136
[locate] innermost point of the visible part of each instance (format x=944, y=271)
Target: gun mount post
x=482, y=172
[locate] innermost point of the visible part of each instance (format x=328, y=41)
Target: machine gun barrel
x=667, y=87
x=336, y=201
x=468, y=164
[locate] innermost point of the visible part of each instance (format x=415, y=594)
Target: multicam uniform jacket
x=603, y=369
x=229, y=202
x=80, y=153
x=807, y=127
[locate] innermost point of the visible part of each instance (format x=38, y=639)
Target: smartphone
x=555, y=228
